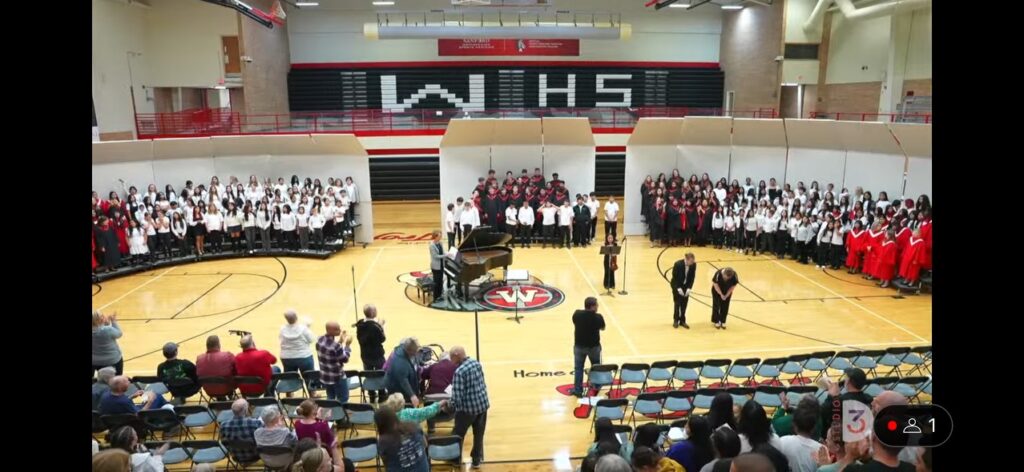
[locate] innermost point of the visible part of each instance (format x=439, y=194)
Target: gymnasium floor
x=781, y=308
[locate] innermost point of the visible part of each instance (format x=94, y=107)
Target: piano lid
x=481, y=238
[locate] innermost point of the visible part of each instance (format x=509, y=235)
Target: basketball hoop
x=278, y=12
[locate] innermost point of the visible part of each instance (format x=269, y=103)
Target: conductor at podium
x=437, y=263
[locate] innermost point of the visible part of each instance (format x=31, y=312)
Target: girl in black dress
x=610, y=265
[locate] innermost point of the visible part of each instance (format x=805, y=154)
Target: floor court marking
x=862, y=307
x=607, y=307
x=136, y=288
x=366, y=277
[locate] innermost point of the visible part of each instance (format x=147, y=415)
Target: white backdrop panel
x=757, y=162
x=701, y=158
x=574, y=164
x=515, y=158
x=177, y=171
x=807, y=165
x=875, y=173
x=642, y=160
x=919, y=178
x=140, y=174
x=460, y=166
x=244, y=166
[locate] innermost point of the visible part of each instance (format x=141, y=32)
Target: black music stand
x=512, y=279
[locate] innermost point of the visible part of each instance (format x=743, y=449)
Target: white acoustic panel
x=919, y=178
x=641, y=161
x=574, y=164
x=460, y=166
x=700, y=158
x=177, y=171
x=244, y=166
x=758, y=162
x=875, y=173
x=808, y=165
x=106, y=177
x=515, y=158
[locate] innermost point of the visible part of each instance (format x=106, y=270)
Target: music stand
x=513, y=277
x=611, y=250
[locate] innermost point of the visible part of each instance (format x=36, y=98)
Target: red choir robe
x=121, y=229
x=912, y=260
x=871, y=246
x=926, y=235
x=902, y=240
x=94, y=250
x=855, y=241
x=886, y=262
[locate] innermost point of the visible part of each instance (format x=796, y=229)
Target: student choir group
x=885, y=240
x=288, y=216
x=530, y=207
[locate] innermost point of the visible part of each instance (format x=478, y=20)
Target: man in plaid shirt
x=241, y=427
x=469, y=401
x=332, y=356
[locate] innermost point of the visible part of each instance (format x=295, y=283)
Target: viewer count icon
x=913, y=425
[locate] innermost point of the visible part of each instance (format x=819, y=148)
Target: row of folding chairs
x=801, y=369
x=674, y=404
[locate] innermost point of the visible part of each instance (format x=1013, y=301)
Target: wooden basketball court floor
x=781, y=308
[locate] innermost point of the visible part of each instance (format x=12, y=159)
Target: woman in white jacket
x=296, y=338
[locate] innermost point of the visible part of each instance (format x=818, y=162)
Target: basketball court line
x=607, y=307
x=833, y=292
x=151, y=280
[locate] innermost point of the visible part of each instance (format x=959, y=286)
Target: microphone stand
x=355, y=302
x=624, y=248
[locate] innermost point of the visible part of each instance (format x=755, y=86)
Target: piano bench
x=424, y=288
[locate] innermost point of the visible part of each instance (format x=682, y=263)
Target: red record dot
x=891, y=425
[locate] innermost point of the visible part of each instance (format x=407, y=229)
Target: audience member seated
x=777, y=458
x=438, y=376
x=241, y=427
x=117, y=402
x=890, y=398
x=179, y=375
x=274, y=433
x=414, y=415
x=401, y=445
x=313, y=424
x=646, y=459
x=102, y=385
x=400, y=374
x=755, y=429
x=126, y=439
x=257, y=363
x=855, y=382
x=876, y=457
x=727, y=445
x=307, y=444
x=801, y=448
x=721, y=413
x=752, y=462
x=216, y=363
x=612, y=463
x=696, y=450
x=111, y=460
x=782, y=421
x=605, y=440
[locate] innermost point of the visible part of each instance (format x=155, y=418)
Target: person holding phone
x=722, y=285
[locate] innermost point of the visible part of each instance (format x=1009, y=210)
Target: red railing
x=883, y=117
x=219, y=122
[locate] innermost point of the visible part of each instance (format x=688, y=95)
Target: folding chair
x=920, y=358
x=769, y=396
x=222, y=411
x=740, y=395
x=359, y=414
x=868, y=361
x=361, y=450
x=796, y=392
x=648, y=404
x=633, y=374
x=97, y=424
x=677, y=431
x=876, y=385
x=151, y=383
x=335, y=407
x=927, y=388
x=702, y=399
x=287, y=382
x=175, y=454
x=352, y=376
x=770, y=369
x=613, y=409
x=250, y=381
x=370, y=380
x=243, y=452
x=215, y=381
x=164, y=421
x=743, y=369
x=893, y=358
x=685, y=372
x=795, y=366
x=277, y=458
x=291, y=406
x=601, y=375
x=113, y=422
x=184, y=384
x=312, y=380
x=841, y=361
x=445, y=451
x=715, y=369
x=661, y=371
x=678, y=403
x=259, y=403
x=624, y=432
x=910, y=387
x=196, y=416
x=206, y=452
x=818, y=362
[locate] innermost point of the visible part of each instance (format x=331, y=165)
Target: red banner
x=508, y=47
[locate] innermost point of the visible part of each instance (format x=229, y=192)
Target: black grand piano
x=480, y=251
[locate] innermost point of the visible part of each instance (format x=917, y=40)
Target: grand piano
x=480, y=252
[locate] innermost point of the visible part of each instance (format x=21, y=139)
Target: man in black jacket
x=587, y=340
x=370, y=334
x=683, y=273
x=581, y=223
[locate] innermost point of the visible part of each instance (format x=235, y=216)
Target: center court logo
x=524, y=297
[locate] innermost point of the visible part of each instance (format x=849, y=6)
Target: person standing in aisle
x=588, y=325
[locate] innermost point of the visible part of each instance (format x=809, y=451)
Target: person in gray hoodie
x=401, y=375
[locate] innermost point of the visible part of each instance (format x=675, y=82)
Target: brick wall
x=265, y=79
x=751, y=39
